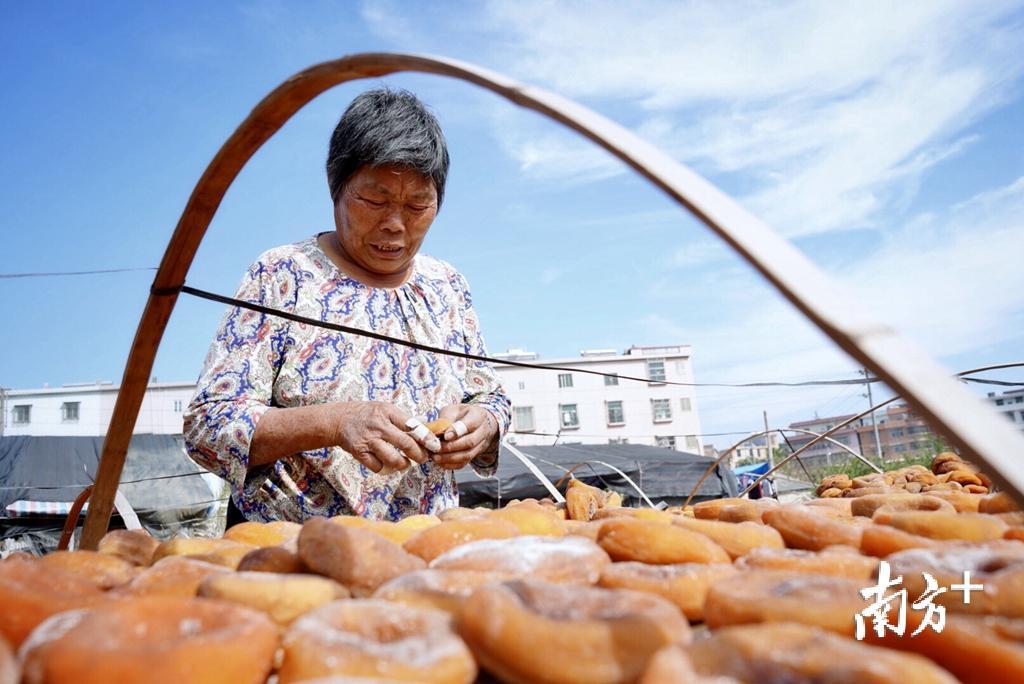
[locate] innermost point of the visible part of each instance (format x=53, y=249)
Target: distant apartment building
x=754, y=450
x=1010, y=404
x=85, y=409
x=901, y=433
x=825, y=449
x=582, y=408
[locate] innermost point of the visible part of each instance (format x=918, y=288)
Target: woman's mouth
x=388, y=251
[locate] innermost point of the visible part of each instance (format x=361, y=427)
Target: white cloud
x=824, y=115
x=544, y=151
x=958, y=276
x=550, y=275
x=949, y=281
x=833, y=110
x=673, y=53
x=702, y=253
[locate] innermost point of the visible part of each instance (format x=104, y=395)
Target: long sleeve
x=257, y=362
x=482, y=385
x=235, y=387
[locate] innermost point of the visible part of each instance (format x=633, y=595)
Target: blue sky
x=884, y=140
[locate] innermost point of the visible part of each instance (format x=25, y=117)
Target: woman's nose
x=392, y=220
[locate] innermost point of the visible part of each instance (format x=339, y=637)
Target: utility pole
x=768, y=441
x=874, y=423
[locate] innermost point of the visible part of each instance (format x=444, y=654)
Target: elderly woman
x=304, y=421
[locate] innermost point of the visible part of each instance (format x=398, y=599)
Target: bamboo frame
x=979, y=432
x=818, y=436
x=860, y=457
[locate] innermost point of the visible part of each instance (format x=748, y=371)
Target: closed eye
x=372, y=202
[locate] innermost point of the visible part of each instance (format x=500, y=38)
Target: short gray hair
x=384, y=126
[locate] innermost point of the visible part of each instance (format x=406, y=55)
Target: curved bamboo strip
x=818, y=436
x=846, y=422
x=979, y=432
x=71, y=522
x=860, y=457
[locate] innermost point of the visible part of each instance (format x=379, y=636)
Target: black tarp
x=161, y=483
x=663, y=474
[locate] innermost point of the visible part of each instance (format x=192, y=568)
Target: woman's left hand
x=481, y=436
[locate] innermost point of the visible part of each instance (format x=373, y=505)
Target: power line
x=203, y=294
x=630, y=436
x=86, y=484
x=51, y=274
x=266, y=310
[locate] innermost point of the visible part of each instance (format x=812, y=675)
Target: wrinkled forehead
x=393, y=181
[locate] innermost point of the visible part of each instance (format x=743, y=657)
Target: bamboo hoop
x=796, y=454
x=860, y=457
x=977, y=430
x=846, y=422
x=71, y=522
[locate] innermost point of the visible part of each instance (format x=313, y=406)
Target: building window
x=1018, y=400
x=661, y=409
x=22, y=414
x=568, y=416
x=178, y=405
x=896, y=432
x=69, y=411
x=666, y=442
x=615, y=414
x=656, y=370
x=522, y=385
x=523, y=421
x=684, y=404
x=611, y=380
x=618, y=440
x=565, y=379
x=691, y=442
x=999, y=402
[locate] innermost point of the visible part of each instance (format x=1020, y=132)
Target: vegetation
x=856, y=468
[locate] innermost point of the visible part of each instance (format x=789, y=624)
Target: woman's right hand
x=374, y=432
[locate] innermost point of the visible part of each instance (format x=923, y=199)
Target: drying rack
x=976, y=430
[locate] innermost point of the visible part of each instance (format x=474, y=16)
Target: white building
x=85, y=409
x=754, y=450
x=591, y=409
x=1010, y=404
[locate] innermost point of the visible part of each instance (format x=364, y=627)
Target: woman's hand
x=374, y=432
x=481, y=436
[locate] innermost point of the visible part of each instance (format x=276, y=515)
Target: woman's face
x=382, y=215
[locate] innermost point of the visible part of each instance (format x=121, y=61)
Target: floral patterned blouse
x=257, y=362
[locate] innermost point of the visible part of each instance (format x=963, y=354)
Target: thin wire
x=10, y=276
x=843, y=424
x=184, y=504
x=1004, y=383
x=84, y=484
x=629, y=436
x=259, y=308
x=474, y=357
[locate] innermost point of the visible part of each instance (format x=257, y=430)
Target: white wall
x=161, y=412
x=540, y=389
x=1010, y=404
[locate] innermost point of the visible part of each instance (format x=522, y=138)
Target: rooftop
x=97, y=386
x=634, y=353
